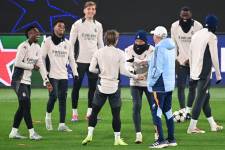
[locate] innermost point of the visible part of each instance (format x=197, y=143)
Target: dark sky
x=123, y=15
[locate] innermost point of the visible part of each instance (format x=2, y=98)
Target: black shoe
x=188, y=116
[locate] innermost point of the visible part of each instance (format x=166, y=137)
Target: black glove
x=218, y=81
x=131, y=60
x=76, y=77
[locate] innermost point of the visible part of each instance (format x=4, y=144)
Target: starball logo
x=7, y=57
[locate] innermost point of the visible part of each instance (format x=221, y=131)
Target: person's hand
x=186, y=63
x=49, y=86
x=143, y=62
x=140, y=77
x=36, y=67
x=131, y=60
x=218, y=81
x=76, y=77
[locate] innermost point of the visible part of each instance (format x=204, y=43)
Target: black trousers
x=183, y=73
x=202, y=99
x=59, y=91
x=137, y=93
x=115, y=104
x=92, y=81
x=23, y=92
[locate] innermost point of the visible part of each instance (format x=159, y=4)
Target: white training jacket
x=201, y=42
x=111, y=63
x=183, y=40
x=89, y=34
x=26, y=57
x=135, y=66
x=59, y=56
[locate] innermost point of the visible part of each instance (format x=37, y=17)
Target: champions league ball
x=179, y=116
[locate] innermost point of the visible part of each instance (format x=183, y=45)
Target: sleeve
x=123, y=69
x=44, y=52
x=72, y=61
x=94, y=62
x=42, y=69
x=128, y=56
x=73, y=34
x=173, y=37
x=158, y=63
x=214, y=56
x=199, y=26
x=100, y=38
x=20, y=55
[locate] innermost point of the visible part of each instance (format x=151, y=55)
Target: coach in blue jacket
x=161, y=83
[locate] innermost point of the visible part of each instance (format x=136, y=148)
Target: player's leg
x=62, y=96
x=51, y=102
x=157, y=108
x=98, y=102
x=191, y=97
x=24, y=94
x=137, y=93
x=115, y=104
x=207, y=111
x=81, y=69
x=198, y=104
x=182, y=75
x=167, y=111
x=150, y=100
x=17, y=117
x=92, y=82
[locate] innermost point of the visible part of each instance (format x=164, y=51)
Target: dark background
x=126, y=16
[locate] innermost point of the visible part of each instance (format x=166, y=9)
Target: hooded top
x=161, y=72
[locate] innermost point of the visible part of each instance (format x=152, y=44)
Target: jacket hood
x=166, y=43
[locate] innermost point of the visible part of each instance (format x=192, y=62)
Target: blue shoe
x=158, y=144
x=171, y=142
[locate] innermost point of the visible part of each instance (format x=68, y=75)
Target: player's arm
x=214, y=56
x=172, y=31
x=72, y=61
x=129, y=60
x=20, y=55
x=73, y=34
x=100, y=37
x=158, y=63
x=44, y=52
x=43, y=72
x=94, y=62
x=124, y=71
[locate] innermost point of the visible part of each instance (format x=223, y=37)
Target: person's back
x=162, y=67
x=203, y=47
x=109, y=62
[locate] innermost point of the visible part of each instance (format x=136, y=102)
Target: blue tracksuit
x=161, y=83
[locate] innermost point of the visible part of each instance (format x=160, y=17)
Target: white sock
x=193, y=124
x=48, y=115
x=61, y=124
x=31, y=131
x=211, y=122
x=89, y=110
x=188, y=110
x=75, y=112
x=90, y=131
x=117, y=135
x=14, y=130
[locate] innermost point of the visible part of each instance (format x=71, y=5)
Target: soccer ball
x=179, y=116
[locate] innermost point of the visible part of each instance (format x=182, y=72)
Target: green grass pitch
x=103, y=135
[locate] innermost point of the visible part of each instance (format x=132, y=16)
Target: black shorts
x=100, y=98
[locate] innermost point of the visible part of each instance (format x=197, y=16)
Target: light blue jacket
x=161, y=71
